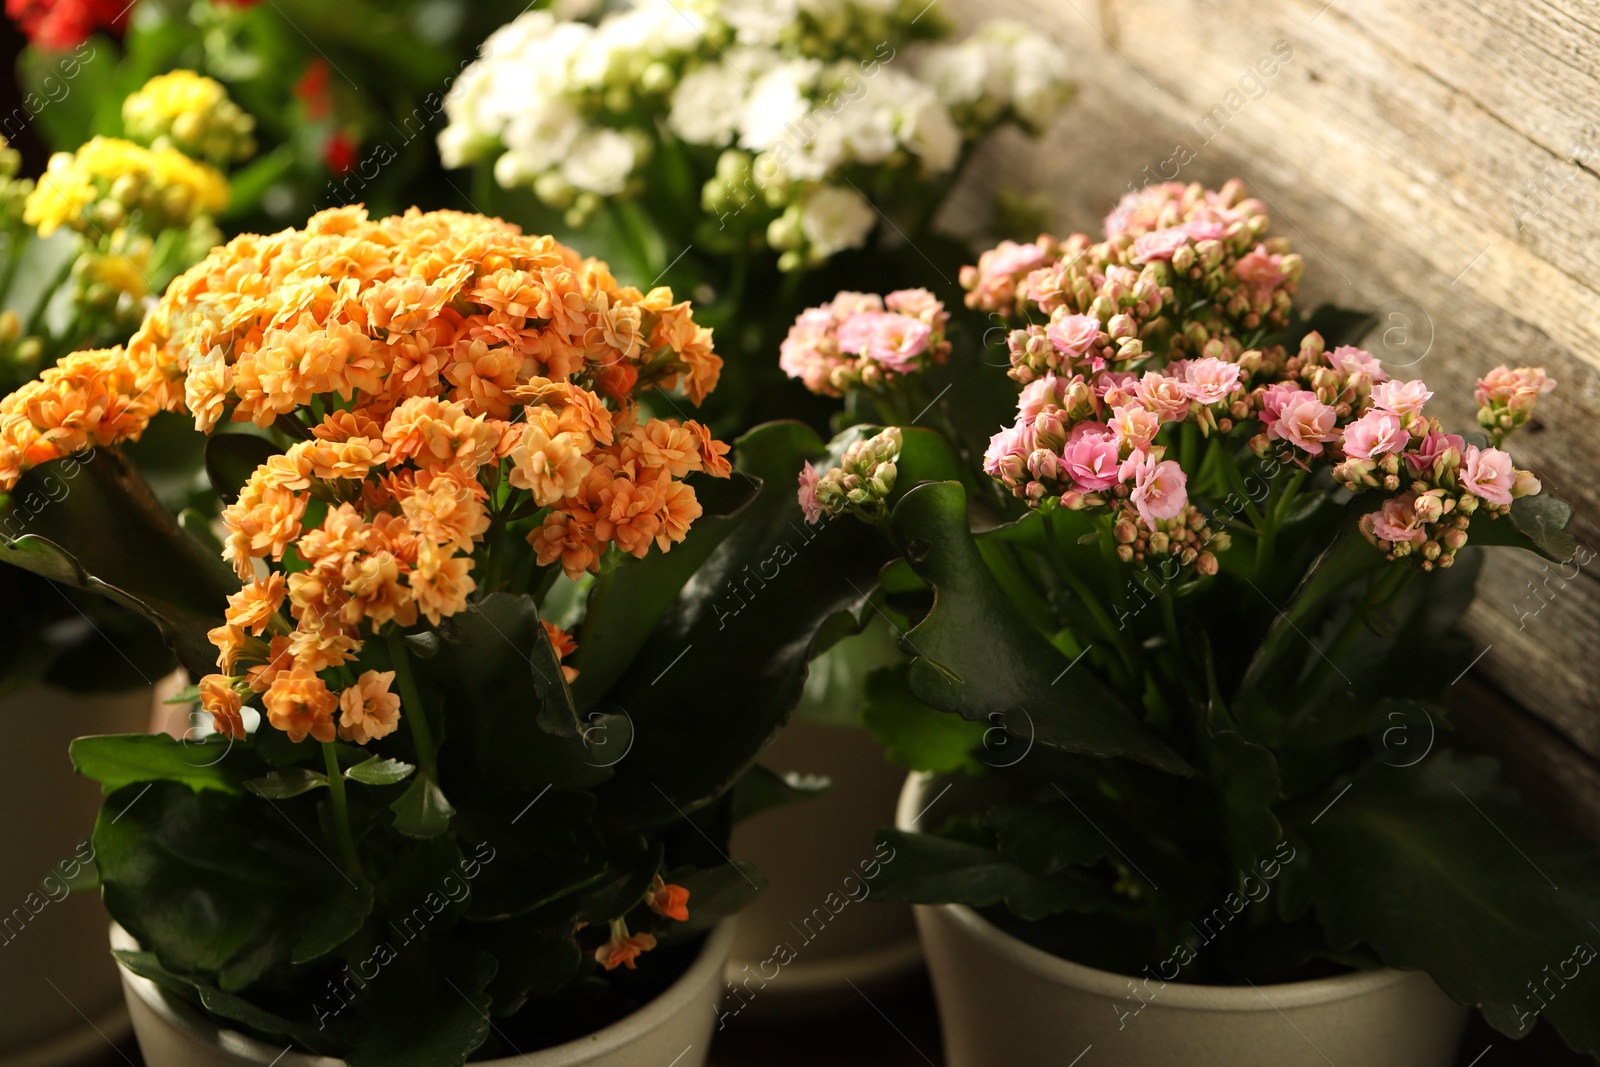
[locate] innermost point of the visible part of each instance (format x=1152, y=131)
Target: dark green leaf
x=231, y=458
x=91, y=521
x=333, y=922
x=928, y=869
x=977, y=658
x=1439, y=871
x=290, y=782
x=757, y=603
x=1537, y=523
x=760, y=790
x=422, y=810
x=714, y=894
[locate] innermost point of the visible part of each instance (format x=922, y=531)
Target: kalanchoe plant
x=1210, y=578
x=477, y=722
x=757, y=154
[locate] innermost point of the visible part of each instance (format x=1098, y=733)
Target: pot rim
x=1179, y=995
x=682, y=995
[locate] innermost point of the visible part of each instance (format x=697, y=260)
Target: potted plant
x=478, y=717
x=760, y=157
x=1207, y=581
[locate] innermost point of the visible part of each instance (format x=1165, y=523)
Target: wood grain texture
x=1438, y=160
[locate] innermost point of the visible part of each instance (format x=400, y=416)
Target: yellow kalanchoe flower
x=105, y=181
x=190, y=112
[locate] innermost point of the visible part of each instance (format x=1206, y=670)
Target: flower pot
x=54, y=973
x=677, y=1023
x=1002, y=1001
x=816, y=855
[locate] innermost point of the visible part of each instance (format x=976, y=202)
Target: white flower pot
x=56, y=983
x=678, y=1023
x=1002, y=1001
x=815, y=930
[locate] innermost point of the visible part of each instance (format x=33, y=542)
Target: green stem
x=411, y=706
x=341, y=811
x=1090, y=601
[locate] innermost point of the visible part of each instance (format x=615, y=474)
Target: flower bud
x=1525, y=484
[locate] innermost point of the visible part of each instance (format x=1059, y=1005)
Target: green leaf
x=976, y=657
x=422, y=810
x=627, y=602
x=928, y=869
x=501, y=672
x=91, y=521
x=757, y=602
x=760, y=790
x=379, y=771
x=1439, y=871
x=216, y=885
x=333, y=922
x=1044, y=839
x=231, y=458
x=915, y=736
x=226, y=1006
x=290, y=782
x=117, y=760
x=429, y=1007
x=1537, y=523
x=1337, y=325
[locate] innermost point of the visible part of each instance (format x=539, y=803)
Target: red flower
x=339, y=152
x=312, y=89
x=63, y=24
x=668, y=901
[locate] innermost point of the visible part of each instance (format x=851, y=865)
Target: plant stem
x=1090, y=601
x=341, y=811
x=411, y=702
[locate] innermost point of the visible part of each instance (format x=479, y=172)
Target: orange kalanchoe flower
x=667, y=900
x=623, y=948
x=436, y=371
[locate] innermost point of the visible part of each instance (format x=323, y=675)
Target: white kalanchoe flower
x=707, y=105
x=833, y=219
x=601, y=161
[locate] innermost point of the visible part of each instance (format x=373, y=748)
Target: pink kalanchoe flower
x=848, y=302
x=1007, y=454
x=1211, y=228
x=1115, y=387
x=1159, y=245
x=1160, y=488
x=1209, y=380
x=1138, y=211
x=1134, y=426
x=1348, y=359
x=1073, y=335
x=1488, y=473
x=1039, y=394
x=920, y=305
x=808, y=493
x=1305, y=422
x=1166, y=397
x=1424, y=459
x=1261, y=271
x=1515, y=390
x=1090, y=458
x=809, y=352
x=892, y=340
x=1405, y=399
x=1398, y=522
x=1272, y=401
x=1377, y=433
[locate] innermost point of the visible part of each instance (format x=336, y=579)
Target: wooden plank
x=1438, y=160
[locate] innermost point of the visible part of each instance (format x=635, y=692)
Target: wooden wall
x=1438, y=160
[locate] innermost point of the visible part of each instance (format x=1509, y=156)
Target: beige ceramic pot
x=58, y=987
x=815, y=929
x=1002, y=1002
x=674, y=1029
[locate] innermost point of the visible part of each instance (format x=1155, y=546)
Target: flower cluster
x=191, y=113
x=860, y=483
x=61, y=24
x=862, y=340
x=1163, y=324
x=109, y=183
x=443, y=369
x=787, y=93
